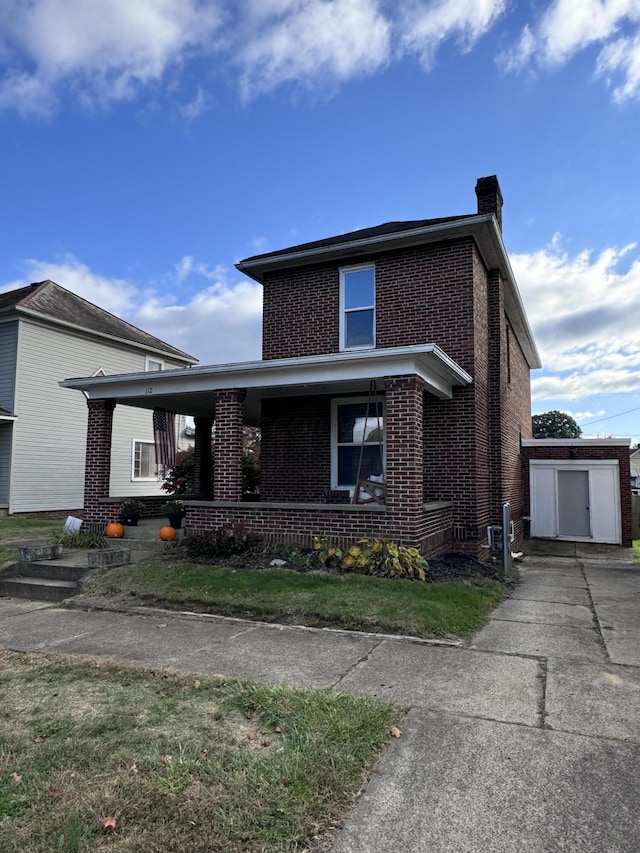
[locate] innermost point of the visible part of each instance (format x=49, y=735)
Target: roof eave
x=257, y=268
x=438, y=371
x=178, y=355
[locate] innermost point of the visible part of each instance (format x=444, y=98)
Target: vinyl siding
x=6, y=430
x=8, y=354
x=51, y=430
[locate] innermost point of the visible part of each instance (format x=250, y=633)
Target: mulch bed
x=443, y=568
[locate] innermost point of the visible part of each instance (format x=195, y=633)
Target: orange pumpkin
x=167, y=533
x=114, y=530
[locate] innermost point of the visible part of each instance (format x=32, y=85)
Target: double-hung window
x=143, y=465
x=357, y=307
x=357, y=447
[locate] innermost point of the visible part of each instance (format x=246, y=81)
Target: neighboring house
x=47, y=333
x=401, y=352
x=634, y=462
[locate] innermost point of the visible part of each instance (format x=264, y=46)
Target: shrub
x=226, y=541
x=181, y=478
x=374, y=557
x=173, y=509
x=131, y=509
x=79, y=539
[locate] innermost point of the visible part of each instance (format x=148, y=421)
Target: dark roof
x=5, y=412
x=58, y=304
x=362, y=234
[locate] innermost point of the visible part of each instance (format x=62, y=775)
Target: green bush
x=374, y=557
x=79, y=539
x=226, y=541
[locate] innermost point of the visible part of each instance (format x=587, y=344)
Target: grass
x=15, y=531
x=100, y=756
x=636, y=548
x=350, y=601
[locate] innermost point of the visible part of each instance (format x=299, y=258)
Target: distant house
x=399, y=354
x=634, y=461
x=48, y=333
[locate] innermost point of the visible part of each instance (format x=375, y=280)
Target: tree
x=180, y=479
x=555, y=424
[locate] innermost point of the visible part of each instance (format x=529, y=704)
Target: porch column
x=227, y=471
x=97, y=469
x=405, y=445
x=202, y=458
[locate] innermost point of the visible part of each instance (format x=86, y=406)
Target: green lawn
x=96, y=755
x=14, y=531
x=351, y=601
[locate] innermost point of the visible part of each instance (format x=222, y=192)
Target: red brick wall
x=344, y=524
x=422, y=296
x=295, y=451
x=98, y=460
x=517, y=426
x=227, y=471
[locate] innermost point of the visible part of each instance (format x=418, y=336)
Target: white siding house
x=48, y=334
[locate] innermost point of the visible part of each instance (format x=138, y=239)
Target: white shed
x=575, y=489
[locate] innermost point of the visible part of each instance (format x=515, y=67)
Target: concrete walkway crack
x=357, y=663
x=543, y=693
x=594, y=614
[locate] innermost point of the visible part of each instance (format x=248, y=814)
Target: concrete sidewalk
x=527, y=740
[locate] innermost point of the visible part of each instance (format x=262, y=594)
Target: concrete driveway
x=544, y=757
x=526, y=740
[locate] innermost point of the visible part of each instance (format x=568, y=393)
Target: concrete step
x=39, y=589
x=51, y=569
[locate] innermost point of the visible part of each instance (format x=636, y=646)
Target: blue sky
x=147, y=147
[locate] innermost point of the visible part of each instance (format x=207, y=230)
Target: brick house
x=400, y=352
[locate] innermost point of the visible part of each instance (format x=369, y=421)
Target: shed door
x=574, y=518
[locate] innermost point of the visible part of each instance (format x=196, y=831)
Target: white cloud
x=583, y=310
x=622, y=55
x=113, y=294
x=308, y=41
x=424, y=26
x=566, y=27
x=220, y=323
x=104, y=49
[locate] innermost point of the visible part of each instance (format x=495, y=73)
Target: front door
x=574, y=516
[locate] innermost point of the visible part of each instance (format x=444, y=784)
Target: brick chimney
x=490, y=197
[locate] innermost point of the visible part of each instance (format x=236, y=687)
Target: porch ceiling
x=191, y=391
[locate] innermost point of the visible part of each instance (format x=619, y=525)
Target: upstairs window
x=154, y=364
x=357, y=307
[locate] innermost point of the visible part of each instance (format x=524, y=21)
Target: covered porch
x=294, y=403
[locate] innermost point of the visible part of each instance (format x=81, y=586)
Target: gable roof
x=54, y=303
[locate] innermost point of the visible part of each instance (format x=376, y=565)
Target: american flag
x=164, y=437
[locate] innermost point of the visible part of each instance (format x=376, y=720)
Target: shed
x=578, y=490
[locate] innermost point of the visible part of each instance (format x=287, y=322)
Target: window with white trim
x=357, y=430
x=357, y=307
x=154, y=364
x=143, y=461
